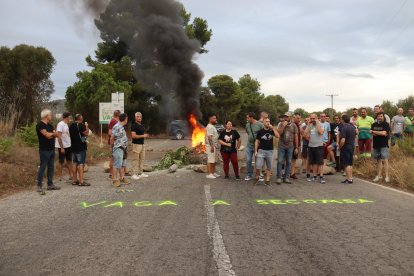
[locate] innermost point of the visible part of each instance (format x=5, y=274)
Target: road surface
x=184, y=224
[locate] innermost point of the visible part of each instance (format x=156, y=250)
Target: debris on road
x=200, y=169
x=173, y=168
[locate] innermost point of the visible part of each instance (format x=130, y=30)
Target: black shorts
x=67, y=155
x=305, y=151
x=315, y=156
x=347, y=157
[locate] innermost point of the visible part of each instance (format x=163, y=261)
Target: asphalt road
x=184, y=224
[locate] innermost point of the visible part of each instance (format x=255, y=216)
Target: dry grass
x=18, y=166
x=401, y=169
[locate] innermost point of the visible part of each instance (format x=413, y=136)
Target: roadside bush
x=28, y=135
x=5, y=145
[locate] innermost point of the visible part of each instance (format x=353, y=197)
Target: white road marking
x=213, y=229
x=387, y=188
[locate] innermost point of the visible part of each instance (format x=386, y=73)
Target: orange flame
x=199, y=133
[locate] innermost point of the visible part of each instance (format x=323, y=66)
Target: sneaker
x=226, y=177
x=143, y=175
x=387, y=180
x=216, y=175
x=135, y=177
x=261, y=178
x=39, y=189
x=53, y=187
x=238, y=178
x=125, y=181
x=293, y=176
x=377, y=178
x=267, y=183
x=309, y=179
x=210, y=176
x=347, y=181
x=287, y=181
x=116, y=183
x=248, y=178
x=278, y=181
x=322, y=180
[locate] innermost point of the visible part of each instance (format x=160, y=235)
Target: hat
x=287, y=114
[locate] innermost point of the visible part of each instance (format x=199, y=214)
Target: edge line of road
x=386, y=187
x=220, y=255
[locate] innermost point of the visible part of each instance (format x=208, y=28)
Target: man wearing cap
x=287, y=146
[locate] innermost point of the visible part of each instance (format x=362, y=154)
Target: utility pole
x=332, y=98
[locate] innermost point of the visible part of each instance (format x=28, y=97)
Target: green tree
x=389, y=108
x=250, y=96
x=198, y=29
x=303, y=113
x=406, y=103
x=94, y=87
x=274, y=105
x=25, y=79
x=227, y=97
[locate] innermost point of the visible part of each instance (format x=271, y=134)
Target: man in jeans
x=119, y=143
x=252, y=127
x=138, y=147
x=288, y=145
x=46, y=135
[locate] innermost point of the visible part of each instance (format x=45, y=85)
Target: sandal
x=84, y=184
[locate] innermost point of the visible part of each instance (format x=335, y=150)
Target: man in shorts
x=381, y=131
x=211, y=147
x=346, y=138
x=264, y=151
x=315, y=132
x=119, y=143
x=78, y=133
x=63, y=145
x=364, y=124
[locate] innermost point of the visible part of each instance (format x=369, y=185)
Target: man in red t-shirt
x=112, y=123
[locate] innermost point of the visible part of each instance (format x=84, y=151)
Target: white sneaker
x=143, y=175
x=387, y=180
x=216, y=175
x=210, y=176
x=261, y=178
x=377, y=178
x=248, y=178
x=135, y=177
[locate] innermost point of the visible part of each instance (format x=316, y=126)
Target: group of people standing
x=70, y=142
x=313, y=140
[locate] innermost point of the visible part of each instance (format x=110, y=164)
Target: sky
x=303, y=50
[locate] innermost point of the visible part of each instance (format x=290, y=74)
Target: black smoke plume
x=156, y=39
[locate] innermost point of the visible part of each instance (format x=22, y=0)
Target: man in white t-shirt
x=211, y=147
x=63, y=145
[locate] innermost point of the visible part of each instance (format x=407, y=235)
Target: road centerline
x=220, y=255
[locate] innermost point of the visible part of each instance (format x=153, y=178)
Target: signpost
x=106, y=110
